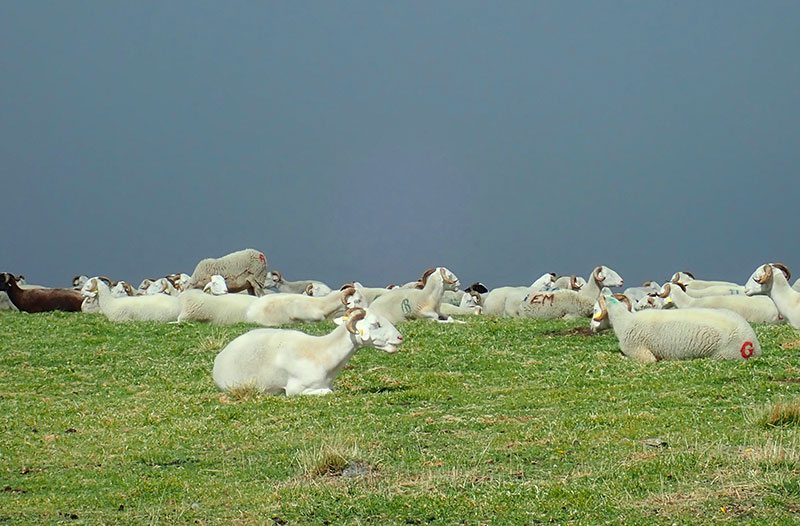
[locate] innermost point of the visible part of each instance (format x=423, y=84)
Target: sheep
x=275, y=280
x=635, y=294
x=78, y=281
x=553, y=304
x=277, y=309
x=216, y=286
x=243, y=270
x=470, y=304
x=601, y=276
x=404, y=304
x=681, y=334
x=159, y=307
x=687, y=278
x=713, y=290
x=572, y=282
x=120, y=289
x=290, y=362
x=165, y=286
x=225, y=309
x=776, y=286
x=39, y=299
x=370, y=293
x=496, y=301
x=796, y=285
x=753, y=309
x=603, y=324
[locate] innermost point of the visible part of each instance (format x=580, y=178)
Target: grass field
x=500, y=421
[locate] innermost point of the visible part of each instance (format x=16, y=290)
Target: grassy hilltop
x=500, y=421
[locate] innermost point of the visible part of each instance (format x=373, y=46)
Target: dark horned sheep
x=40, y=300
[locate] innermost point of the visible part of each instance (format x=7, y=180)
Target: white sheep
x=243, y=270
x=572, y=282
x=132, y=308
x=600, y=277
x=635, y=294
x=281, y=361
x=503, y=301
x=276, y=280
x=410, y=303
x=553, y=304
x=470, y=304
x=776, y=285
x=758, y=309
x=680, y=334
x=713, y=290
x=687, y=279
x=281, y=308
x=225, y=309
x=216, y=286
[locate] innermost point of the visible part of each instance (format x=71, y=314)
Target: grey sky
x=372, y=140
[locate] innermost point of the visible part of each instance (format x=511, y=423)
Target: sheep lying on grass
x=281, y=361
x=553, y=304
x=504, y=301
x=278, y=309
x=681, y=334
x=159, y=307
x=242, y=270
x=224, y=309
x=39, y=299
x=276, y=280
x=470, y=304
x=776, y=285
x=410, y=303
x=759, y=309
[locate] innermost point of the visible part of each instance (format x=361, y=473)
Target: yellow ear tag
x=596, y=317
x=669, y=300
x=361, y=332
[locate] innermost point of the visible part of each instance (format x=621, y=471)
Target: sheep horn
x=346, y=285
x=647, y=283
x=103, y=278
x=573, y=283
x=603, y=309
x=278, y=274
x=596, y=275
x=783, y=268
x=424, y=279
x=666, y=292
x=444, y=276
x=310, y=290
x=353, y=315
x=689, y=274
x=624, y=298
x=346, y=293
x=767, y=277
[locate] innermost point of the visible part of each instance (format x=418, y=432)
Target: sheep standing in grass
x=281, y=361
x=776, y=285
x=242, y=270
x=410, y=303
x=680, y=334
x=159, y=307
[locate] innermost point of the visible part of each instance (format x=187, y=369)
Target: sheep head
x=605, y=277
x=371, y=330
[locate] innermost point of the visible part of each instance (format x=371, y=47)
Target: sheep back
x=244, y=269
x=556, y=304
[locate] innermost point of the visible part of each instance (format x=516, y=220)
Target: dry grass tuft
x=244, y=393
x=213, y=343
x=333, y=458
x=781, y=414
x=795, y=344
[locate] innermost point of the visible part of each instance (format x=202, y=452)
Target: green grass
x=494, y=422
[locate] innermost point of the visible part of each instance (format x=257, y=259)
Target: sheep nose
x=400, y=337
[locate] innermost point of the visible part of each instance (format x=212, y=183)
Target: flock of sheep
x=683, y=319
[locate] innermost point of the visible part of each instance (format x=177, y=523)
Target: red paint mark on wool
x=747, y=350
x=262, y=258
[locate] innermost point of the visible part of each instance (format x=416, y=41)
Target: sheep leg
x=642, y=354
x=318, y=392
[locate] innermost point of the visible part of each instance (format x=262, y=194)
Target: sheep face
x=120, y=290
x=759, y=282
x=6, y=281
x=607, y=277
x=78, y=281
x=545, y=282
x=450, y=280
x=273, y=278
x=89, y=289
x=372, y=330
x=356, y=299
x=599, y=316
x=216, y=286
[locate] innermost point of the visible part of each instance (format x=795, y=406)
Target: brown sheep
x=40, y=300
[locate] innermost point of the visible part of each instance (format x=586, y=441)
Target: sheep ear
x=340, y=320
x=362, y=328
